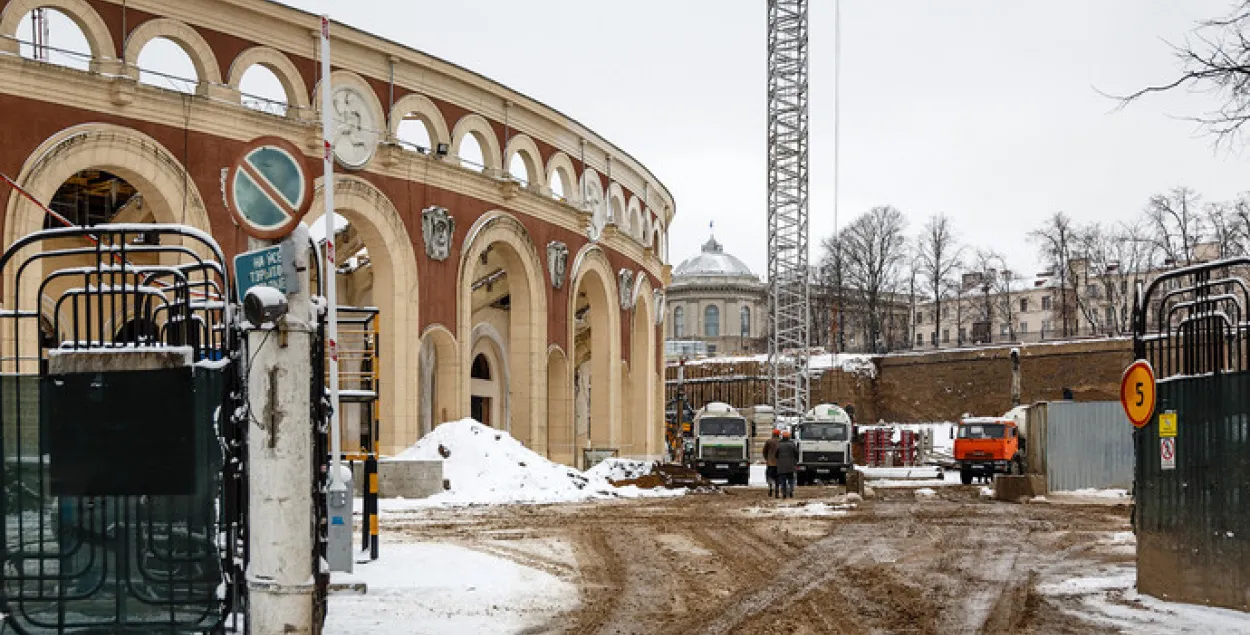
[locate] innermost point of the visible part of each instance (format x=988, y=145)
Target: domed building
x=716, y=306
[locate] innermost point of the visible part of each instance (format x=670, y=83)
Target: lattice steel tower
x=788, y=276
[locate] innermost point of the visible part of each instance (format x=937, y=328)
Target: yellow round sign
x=1137, y=392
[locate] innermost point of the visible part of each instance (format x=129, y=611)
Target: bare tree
x=1216, y=61
x=914, y=273
x=833, y=292
x=997, y=286
x=1226, y=226
x=872, y=249
x=1175, y=222
x=939, y=260
x=1056, y=240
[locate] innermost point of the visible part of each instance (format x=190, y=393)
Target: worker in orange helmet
x=787, y=462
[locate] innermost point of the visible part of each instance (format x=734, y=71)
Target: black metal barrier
x=124, y=507
x=1192, y=479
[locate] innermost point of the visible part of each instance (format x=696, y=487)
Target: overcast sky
x=983, y=109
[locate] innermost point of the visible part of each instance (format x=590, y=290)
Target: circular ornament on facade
x=356, y=133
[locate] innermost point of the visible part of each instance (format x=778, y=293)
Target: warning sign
x=1167, y=453
x=1167, y=424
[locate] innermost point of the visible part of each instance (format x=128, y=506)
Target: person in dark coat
x=787, y=462
x=770, y=462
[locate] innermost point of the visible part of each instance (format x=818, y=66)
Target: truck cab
x=985, y=446
x=824, y=439
x=721, y=444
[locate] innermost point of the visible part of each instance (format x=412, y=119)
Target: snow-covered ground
x=1108, y=596
x=803, y=509
x=921, y=476
x=473, y=592
x=485, y=466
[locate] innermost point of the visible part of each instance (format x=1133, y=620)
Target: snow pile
x=925, y=492
x=613, y=469
x=487, y=466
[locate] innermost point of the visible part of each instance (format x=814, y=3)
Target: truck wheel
x=841, y=478
x=1016, y=468
x=965, y=476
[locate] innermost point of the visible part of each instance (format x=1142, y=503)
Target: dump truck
x=824, y=439
x=985, y=446
x=722, y=444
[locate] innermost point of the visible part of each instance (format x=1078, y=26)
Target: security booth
x=124, y=419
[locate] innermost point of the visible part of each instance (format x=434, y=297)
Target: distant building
x=716, y=305
x=1096, y=300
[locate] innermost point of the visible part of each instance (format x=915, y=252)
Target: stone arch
x=525, y=147
x=593, y=277
x=99, y=39
x=504, y=235
x=280, y=65
x=560, y=168
x=476, y=125
x=642, y=429
x=488, y=342
x=169, y=192
x=426, y=111
x=440, y=378
x=167, y=187
x=395, y=284
x=560, y=440
x=206, y=69
x=616, y=206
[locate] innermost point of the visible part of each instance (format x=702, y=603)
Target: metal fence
x=1193, y=482
x=1082, y=445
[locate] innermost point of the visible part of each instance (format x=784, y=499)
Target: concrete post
x=279, y=444
x=1015, y=377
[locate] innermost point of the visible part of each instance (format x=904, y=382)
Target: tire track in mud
x=602, y=576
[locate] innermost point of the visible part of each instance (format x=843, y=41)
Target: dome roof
x=713, y=262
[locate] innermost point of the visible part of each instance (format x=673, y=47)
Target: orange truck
x=985, y=446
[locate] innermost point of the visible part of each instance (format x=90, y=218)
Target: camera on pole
x=264, y=305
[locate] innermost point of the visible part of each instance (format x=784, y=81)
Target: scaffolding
x=788, y=273
x=358, y=387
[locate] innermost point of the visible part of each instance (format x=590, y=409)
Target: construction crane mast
x=789, y=294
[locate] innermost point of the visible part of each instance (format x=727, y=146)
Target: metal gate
x=124, y=492
x=1193, y=489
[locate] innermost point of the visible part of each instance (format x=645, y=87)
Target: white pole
x=280, y=455
x=329, y=275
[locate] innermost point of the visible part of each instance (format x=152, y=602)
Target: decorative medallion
x=355, y=137
x=437, y=228
x=557, y=262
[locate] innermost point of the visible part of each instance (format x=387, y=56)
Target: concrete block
x=404, y=479
x=119, y=359
x=855, y=482
x=1013, y=488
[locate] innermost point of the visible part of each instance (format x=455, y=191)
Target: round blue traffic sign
x=268, y=188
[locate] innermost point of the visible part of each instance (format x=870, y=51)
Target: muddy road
x=739, y=562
